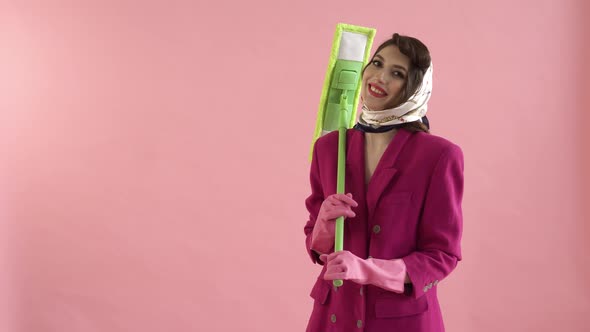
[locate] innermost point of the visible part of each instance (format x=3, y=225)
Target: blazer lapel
x=385, y=170
x=355, y=174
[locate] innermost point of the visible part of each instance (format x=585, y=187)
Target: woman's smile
x=377, y=91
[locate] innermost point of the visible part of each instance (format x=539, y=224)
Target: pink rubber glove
x=334, y=206
x=383, y=273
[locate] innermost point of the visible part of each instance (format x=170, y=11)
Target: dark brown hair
x=420, y=59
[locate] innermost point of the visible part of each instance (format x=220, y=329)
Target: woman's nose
x=382, y=76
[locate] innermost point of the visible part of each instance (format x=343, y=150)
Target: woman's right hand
x=334, y=206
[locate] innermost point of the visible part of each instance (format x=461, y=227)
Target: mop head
x=350, y=52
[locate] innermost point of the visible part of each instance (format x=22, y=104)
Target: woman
x=403, y=214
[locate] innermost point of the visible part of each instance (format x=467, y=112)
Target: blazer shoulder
x=330, y=140
x=327, y=139
x=436, y=144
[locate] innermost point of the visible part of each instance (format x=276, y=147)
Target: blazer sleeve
x=440, y=226
x=313, y=204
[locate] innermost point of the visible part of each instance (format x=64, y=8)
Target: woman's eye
x=376, y=63
x=398, y=74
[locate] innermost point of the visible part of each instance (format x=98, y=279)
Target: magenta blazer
x=411, y=209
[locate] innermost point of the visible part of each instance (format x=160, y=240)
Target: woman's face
x=384, y=78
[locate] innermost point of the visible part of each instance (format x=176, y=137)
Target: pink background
x=154, y=159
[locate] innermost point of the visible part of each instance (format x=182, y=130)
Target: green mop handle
x=342, y=127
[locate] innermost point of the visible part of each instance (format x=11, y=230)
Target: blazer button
x=359, y=323
x=333, y=318
x=376, y=229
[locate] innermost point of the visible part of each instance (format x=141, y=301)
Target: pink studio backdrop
x=154, y=160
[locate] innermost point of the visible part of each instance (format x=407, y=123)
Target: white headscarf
x=412, y=110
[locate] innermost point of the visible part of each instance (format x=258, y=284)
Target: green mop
x=337, y=111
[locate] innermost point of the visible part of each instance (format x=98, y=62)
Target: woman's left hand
x=344, y=265
x=388, y=274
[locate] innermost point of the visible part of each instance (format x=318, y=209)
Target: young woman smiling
x=404, y=187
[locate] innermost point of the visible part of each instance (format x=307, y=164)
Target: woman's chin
x=375, y=108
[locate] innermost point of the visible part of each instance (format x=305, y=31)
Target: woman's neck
x=380, y=140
